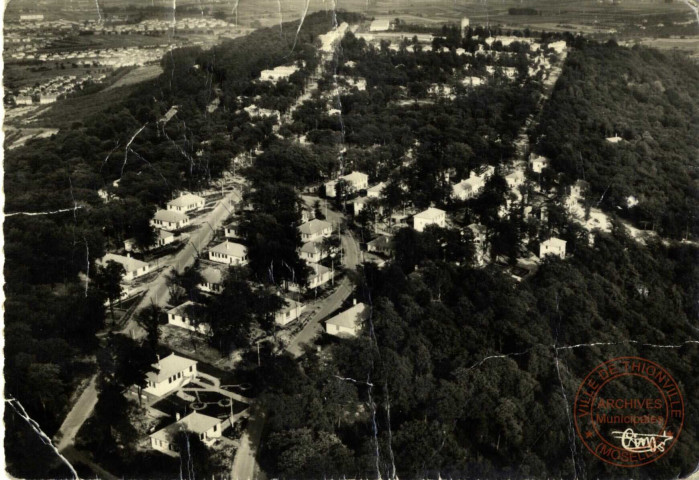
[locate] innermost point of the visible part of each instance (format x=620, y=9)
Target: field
x=137, y=75
x=267, y=12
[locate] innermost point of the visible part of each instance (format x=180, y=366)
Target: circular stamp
x=629, y=411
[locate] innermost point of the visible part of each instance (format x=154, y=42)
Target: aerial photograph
x=350, y=239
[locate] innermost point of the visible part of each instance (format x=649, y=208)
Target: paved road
x=76, y=417
x=245, y=465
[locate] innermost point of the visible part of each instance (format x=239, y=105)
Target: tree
x=108, y=281
x=149, y=319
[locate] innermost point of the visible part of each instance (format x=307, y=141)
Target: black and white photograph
x=350, y=239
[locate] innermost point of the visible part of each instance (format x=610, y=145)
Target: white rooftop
x=195, y=422
x=186, y=200
x=130, y=264
x=169, y=366
x=230, y=248
x=169, y=216
x=350, y=317
x=314, y=226
x=431, y=213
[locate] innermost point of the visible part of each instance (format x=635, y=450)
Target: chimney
x=177, y=416
x=128, y=254
x=158, y=362
x=354, y=301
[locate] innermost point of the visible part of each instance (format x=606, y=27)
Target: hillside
x=648, y=99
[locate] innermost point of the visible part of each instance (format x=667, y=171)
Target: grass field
x=137, y=75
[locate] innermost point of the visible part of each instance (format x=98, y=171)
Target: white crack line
x=19, y=410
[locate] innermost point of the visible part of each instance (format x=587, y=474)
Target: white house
x=473, y=185
x=348, y=323
x=212, y=280
x=311, y=252
x=170, y=220
x=173, y=372
x=231, y=230
x=186, y=203
x=230, y=253
x=181, y=316
x=315, y=230
x=207, y=428
x=134, y=268
x=537, y=163
x=290, y=312
x=553, y=246
x=320, y=275
x=164, y=238
x=381, y=244
x=356, y=180
x=431, y=216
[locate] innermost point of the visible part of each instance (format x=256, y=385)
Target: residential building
x=348, y=323
x=356, y=180
x=230, y=253
x=186, y=203
x=134, y=268
x=183, y=316
x=381, y=244
x=472, y=186
x=431, y=216
x=311, y=252
x=23, y=100
x=537, y=163
x=169, y=220
x=290, y=312
x=45, y=99
x=553, y=246
x=212, y=280
x=231, y=230
x=207, y=428
x=173, y=372
x=320, y=275
x=315, y=230
x=164, y=238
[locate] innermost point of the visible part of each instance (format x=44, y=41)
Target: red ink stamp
x=629, y=411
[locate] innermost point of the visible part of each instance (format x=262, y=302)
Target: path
x=76, y=417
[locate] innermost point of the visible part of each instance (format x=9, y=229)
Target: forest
x=459, y=371
x=650, y=100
